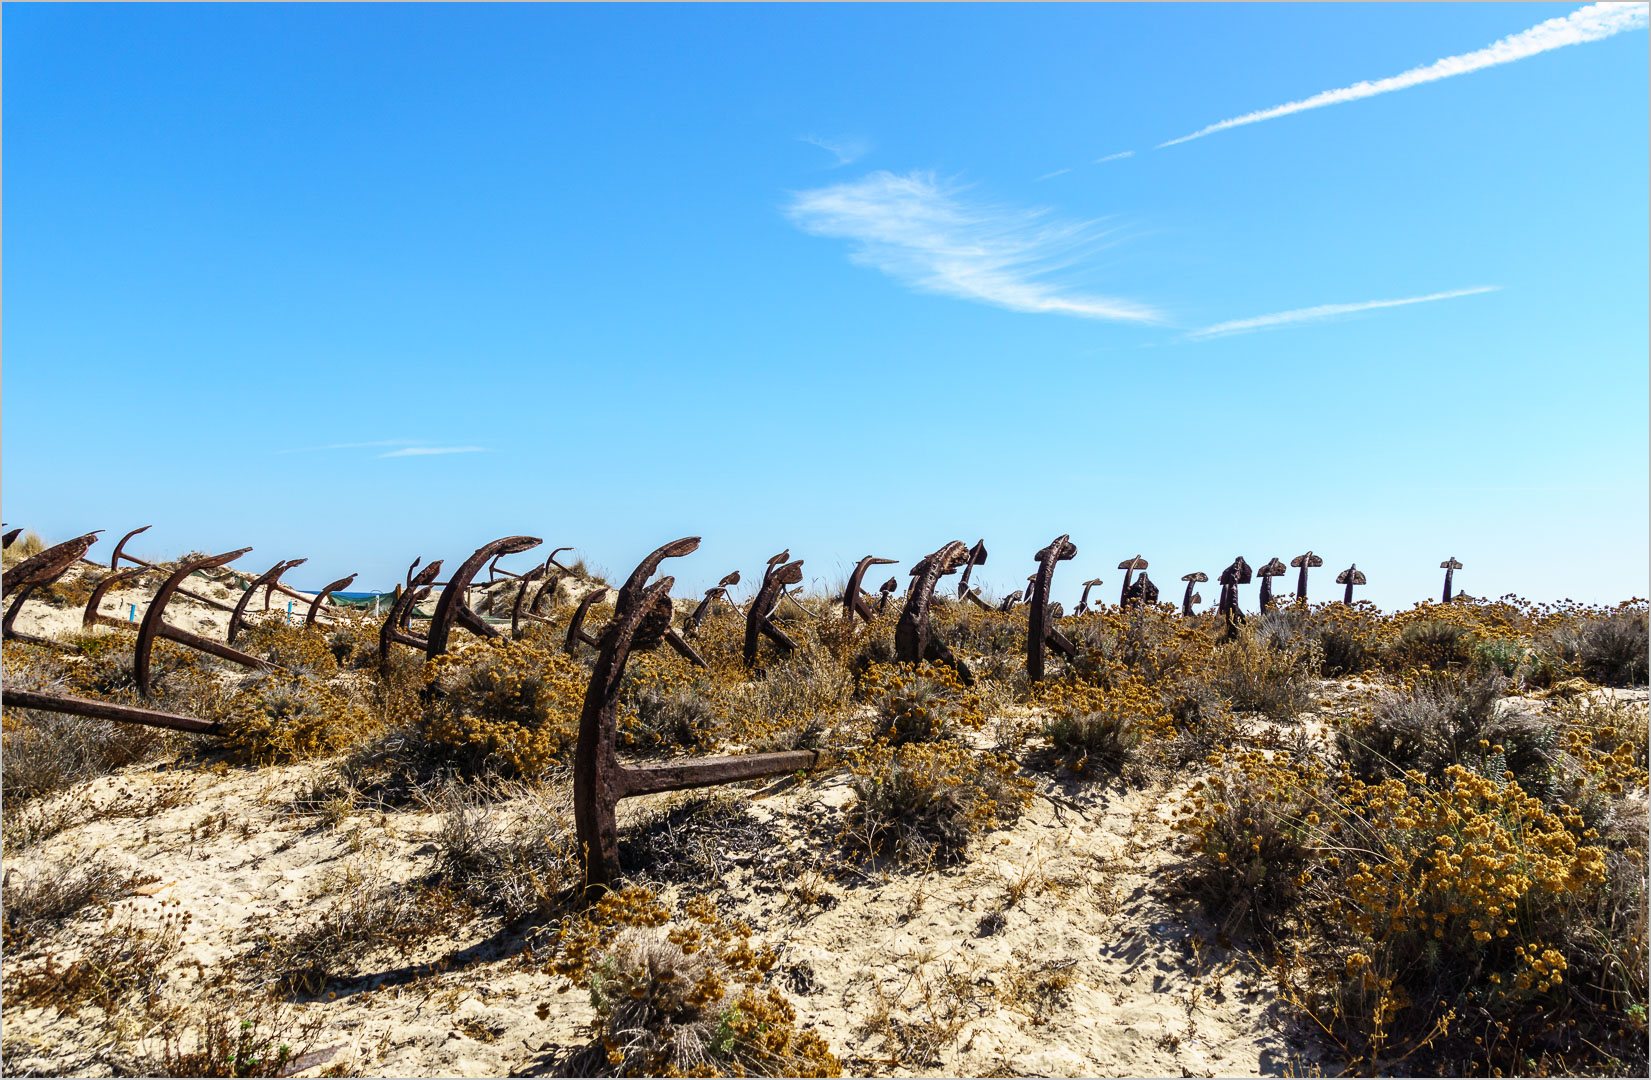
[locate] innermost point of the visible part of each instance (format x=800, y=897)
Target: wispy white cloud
x=348, y=446
x=430, y=451
x=846, y=150
x=1052, y=175
x=1324, y=311
x=1592, y=23
x=923, y=233
x=1119, y=156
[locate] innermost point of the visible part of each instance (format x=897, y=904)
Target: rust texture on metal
x=1304, y=562
x=154, y=619
x=474, y=623
x=545, y=593
x=114, y=564
x=266, y=581
x=1274, y=568
x=1231, y=578
x=108, y=710
x=1040, y=626
x=1141, y=592
x=1009, y=601
x=576, y=626
x=550, y=560
x=1449, y=566
x=719, y=591
x=1083, y=601
x=91, y=617
x=47, y=566
x=10, y=538
x=516, y=609
x=321, y=597
x=1350, y=577
x=493, y=571
x=642, y=614
x=680, y=644
x=977, y=557
x=38, y=571
x=1190, y=598
x=759, y=617
x=450, y=608
x=394, y=630
x=1129, y=566
x=914, y=636
x=885, y=592
x=120, y=548
x=854, y=598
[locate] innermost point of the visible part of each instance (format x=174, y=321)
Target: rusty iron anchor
x=321, y=597
x=1083, y=601
x=977, y=557
x=914, y=637
x=91, y=616
x=759, y=617
x=108, y=710
x=266, y=581
x=885, y=592
x=1231, y=578
x=642, y=615
x=854, y=596
x=37, y=572
x=1040, y=628
x=719, y=591
x=154, y=623
x=394, y=630
x=1273, y=568
x=451, y=607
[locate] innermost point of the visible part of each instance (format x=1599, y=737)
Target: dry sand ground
x=902, y=973
x=1070, y=888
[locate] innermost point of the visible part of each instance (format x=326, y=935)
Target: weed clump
x=683, y=997
x=50, y=897
x=1266, y=673
x=920, y=702
x=1440, y=719
x=282, y=717
x=1102, y=728
x=263, y=1042
x=1253, y=828
x=520, y=865
x=923, y=802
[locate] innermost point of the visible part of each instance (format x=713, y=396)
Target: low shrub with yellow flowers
x=1253, y=830
x=683, y=996
x=506, y=707
x=1453, y=900
x=1095, y=727
x=924, y=802
x=667, y=705
x=920, y=702
x=282, y=717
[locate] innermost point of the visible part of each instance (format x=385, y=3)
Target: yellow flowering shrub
x=505, y=706
x=923, y=802
x=920, y=702
x=1091, y=725
x=285, y=717
x=1253, y=830
x=1452, y=897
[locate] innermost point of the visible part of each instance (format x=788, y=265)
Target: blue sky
x=842, y=279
